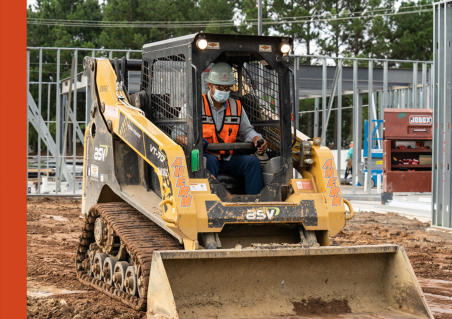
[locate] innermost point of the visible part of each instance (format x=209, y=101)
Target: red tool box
x=407, y=147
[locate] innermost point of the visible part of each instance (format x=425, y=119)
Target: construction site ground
x=54, y=224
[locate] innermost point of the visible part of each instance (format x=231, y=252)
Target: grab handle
x=350, y=208
x=163, y=203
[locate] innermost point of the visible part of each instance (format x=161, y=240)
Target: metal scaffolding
x=383, y=82
x=58, y=102
x=442, y=113
x=58, y=109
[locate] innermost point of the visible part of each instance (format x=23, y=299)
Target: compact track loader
x=163, y=234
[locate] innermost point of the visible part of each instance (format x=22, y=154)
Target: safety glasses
x=224, y=87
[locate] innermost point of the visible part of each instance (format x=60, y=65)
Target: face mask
x=220, y=96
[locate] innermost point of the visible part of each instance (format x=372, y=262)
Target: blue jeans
x=238, y=165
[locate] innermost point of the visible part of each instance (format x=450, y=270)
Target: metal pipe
x=339, y=119
x=82, y=49
x=446, y=89
x=48, y=119
x=74, y=122
x=333, y=109
x=316, y=117
x=437, y=132
x=424, y=85
x=414, y=93
x=360, y=139
x=330, y=103
x=355, y=162
x=370, y=123
x=324, y=85
x=297, y=104
x=361, y=59
x=58, y=126
x=259, y=17
x=66, y=121
x=40, y=114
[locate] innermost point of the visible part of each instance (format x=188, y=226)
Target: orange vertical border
x=13, y=148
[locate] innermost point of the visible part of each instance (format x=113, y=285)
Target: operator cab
x=173, y=79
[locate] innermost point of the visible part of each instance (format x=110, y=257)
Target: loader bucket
x=324, y=282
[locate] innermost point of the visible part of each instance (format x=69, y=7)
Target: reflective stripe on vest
x=230, y=125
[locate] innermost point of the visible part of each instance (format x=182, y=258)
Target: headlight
x=285, y=48
x=201, y=43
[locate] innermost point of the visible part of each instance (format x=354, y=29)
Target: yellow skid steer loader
x=161, y=233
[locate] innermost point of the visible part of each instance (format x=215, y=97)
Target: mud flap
x=350, y=282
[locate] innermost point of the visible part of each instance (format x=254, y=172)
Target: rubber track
x=140, y=236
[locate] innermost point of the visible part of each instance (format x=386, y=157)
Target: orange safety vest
x=229, y=128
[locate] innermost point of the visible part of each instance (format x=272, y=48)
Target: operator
x=223, y=120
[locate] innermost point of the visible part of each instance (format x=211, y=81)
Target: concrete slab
x=410, y=210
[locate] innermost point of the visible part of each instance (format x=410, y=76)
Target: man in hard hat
x=223, y=120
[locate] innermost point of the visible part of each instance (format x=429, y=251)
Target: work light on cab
x=285, y=48
x=201, y=43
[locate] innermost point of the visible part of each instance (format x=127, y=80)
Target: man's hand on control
x=261, y=144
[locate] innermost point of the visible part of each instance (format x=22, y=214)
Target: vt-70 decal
x=218, y=215
x=131, y=133
x=147, y=148
x=142, y=142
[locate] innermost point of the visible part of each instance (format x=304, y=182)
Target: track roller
x=117, y=231
x=98, y=264
x=108, y=269
x=119, y=274
x=130, y=282
x=143, y=283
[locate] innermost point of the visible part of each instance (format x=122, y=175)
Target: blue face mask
x=220, y=96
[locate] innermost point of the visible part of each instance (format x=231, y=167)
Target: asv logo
x=261, y=214
x=100, y=153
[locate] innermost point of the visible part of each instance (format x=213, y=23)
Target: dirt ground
x=53, y=291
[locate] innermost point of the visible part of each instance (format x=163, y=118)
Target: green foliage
x=306, y=33
x=330, y=44
x=249, y=12
x=329, y=32
x=214, y=10
x=59, y=36
x=174, y=11
x=143, y=10
x=412, y=36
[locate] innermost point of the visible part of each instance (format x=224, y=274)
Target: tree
x=215, y=10
x=165, y=12
x=330, y=42
x=412, y=35
x=305, y=32
x=42, y=35
x=354, y=34
x=248, y=11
